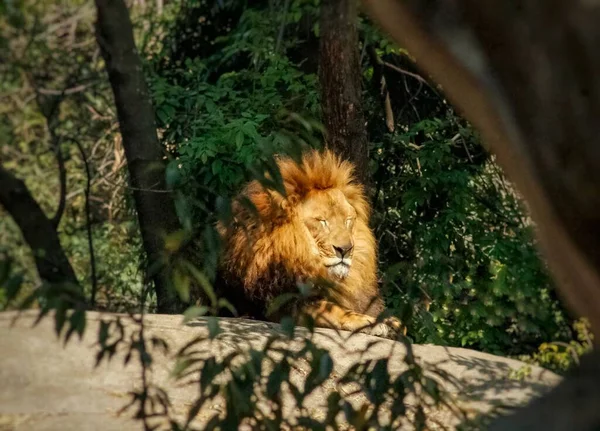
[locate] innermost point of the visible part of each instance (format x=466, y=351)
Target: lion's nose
x=343, y=250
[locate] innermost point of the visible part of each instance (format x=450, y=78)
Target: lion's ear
x=291, y=200
x=288, y=203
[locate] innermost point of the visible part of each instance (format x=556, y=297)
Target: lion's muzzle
x=338, y=267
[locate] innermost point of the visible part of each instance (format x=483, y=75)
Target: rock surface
x=44, y=386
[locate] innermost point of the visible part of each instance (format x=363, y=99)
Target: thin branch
x=49, y=106
x=138, y=189
x=413, y=96
x=88, y=219
x=384, y=91
x=65, y=92
x=286, y=6
x=82, y=12
x=406, y=72
x=455, y=138
x=62, y=176
x=49, y=102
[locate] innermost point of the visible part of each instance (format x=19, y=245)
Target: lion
x=319, y=231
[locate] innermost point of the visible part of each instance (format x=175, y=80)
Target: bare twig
x=406, y=72
x=88, y=219
x=457, y=137
x=150, y=190
x=65, y=92
x=62, y=175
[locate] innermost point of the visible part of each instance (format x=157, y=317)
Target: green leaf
x=211, y=108
x=325, y=366
x=204, y=282
x=194, y=312
x=173, y=174
x=288, y=326
x=279, y=302
x=223, y=303
x=214, y=328
x=239, y=140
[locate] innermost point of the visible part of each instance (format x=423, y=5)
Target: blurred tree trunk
x=145, y=156
x=38, y=230
x=340, y=79
x=535, y=96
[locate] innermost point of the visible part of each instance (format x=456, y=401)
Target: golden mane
x=321, y=171
x=267, y=249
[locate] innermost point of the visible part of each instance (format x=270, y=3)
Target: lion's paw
x=389, y=328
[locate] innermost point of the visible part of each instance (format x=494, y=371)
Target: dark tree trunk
x=155, y=206
x=37, y=229
x=340, y=79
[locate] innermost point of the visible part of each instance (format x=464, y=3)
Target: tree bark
x=38, y=230
x=145, y=156
x=535, y=96
x=340, y=80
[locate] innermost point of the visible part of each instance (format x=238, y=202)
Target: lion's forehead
x=328, y=204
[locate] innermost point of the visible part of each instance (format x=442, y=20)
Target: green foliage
x=463, y=241
x=220, y=126
x=117, y=245
x=560, y=356
x=65, y=300
x=10, y=282
x=54, y=96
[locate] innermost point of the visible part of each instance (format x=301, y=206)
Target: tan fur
x=290, y=239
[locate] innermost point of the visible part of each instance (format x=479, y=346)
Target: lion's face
x=330, y=220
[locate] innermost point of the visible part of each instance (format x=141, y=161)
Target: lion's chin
x=340, y=270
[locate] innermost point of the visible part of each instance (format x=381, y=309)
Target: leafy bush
x=463, y=242
x=219, y=126
x=561, y=356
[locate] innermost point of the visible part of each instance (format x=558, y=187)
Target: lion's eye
x=323, y=223
x=349, y=222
